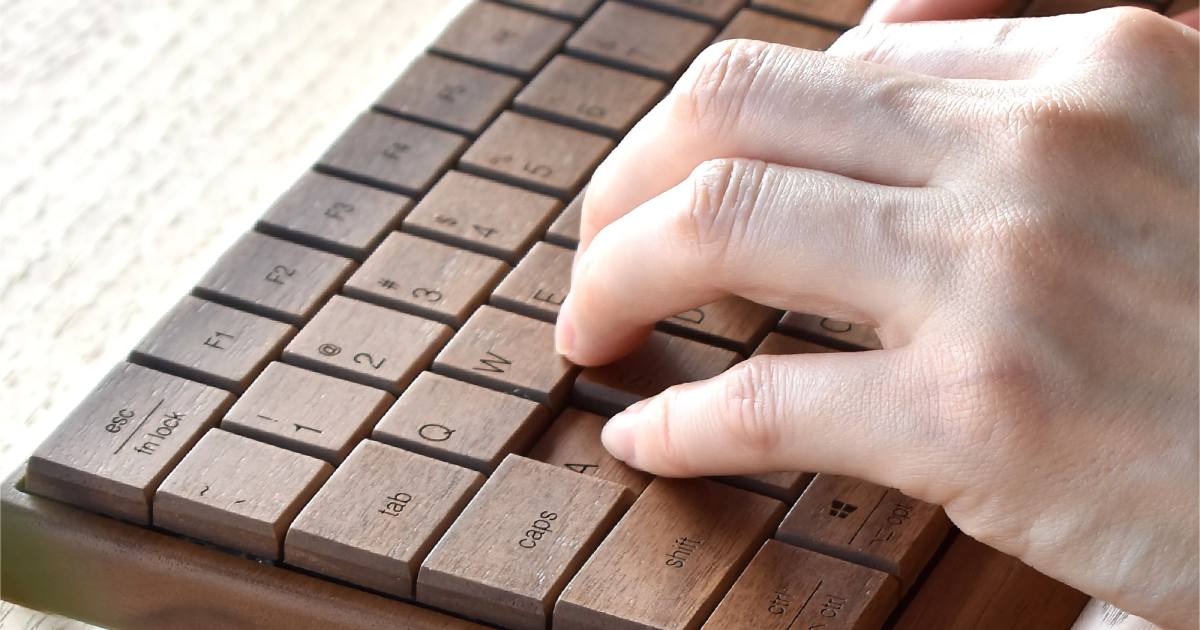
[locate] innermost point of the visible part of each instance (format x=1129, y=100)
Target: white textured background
x=138, y=138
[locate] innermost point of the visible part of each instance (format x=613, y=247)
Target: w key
x=507, y=557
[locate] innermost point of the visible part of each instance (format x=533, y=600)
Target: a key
x=866, y=524
x=544, y=156
x=1042, y=8
x=274, y=278
x=306, y=412
x=112, y=451
x=570, y=9
x=392, y=154
x=238, y=493
x=377, y=517
x=210, y=343
x=573, y=442
x=461, y=423
x=539, y=284
x=482, y=215
x=445, y=93
x=426, y=278
x=844, y=13
x=711, y=10
x=640, y=39
x=502, y=38
x=508, y=556
x=589, y=95
x=787, y=587
x=565, y=229
x=664, y=360
x=368, y=344
x=670, y=559
x=509, y=353
x=779, y=344
x=335, y=215
x=748, y=24
x=731, y=322
x=830, y=332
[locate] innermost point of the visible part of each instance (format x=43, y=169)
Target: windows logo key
x=841, y=509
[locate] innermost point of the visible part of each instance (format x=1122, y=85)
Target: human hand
x=1012, y=203
x=927, y=10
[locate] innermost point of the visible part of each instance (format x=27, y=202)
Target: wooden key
x=573, y=442
x=670, y=559
x=112, y=451
x=306, y=412
x=237, y=493
x=975, y=586
x=541, y=155
x=787, y=587
x=393, y=154
x=335, y=215
x=461, y=423
x=450, y=94
x=749, y=24
x=509, y=353
x=664, y=360
x=482, y=215
x=522, y=537
x=210, y=343
x=565, y=229
x=779, y=344
x=539, y=284
x=640, y=39
x=375, y=520
x=502, y=38
x=592, y=96
x=1042, y=8
x=843, y=14
x=867, y=524
x=710, y=10
x=367, y=344
x=273, y=278
x=830, y=332
x=570, y=9
x=426, y=278
x=731, y=322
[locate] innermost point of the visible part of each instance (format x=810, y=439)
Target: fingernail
x=617, y=436
x=564, y=329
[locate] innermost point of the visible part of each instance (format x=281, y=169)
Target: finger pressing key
x=507, y=557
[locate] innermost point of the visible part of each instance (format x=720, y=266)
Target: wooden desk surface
x=140, y=139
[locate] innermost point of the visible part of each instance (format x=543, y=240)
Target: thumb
x=927, y=10
x=864, y=414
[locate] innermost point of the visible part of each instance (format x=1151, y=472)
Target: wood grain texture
x=641, y=40
x=573, y=442
x=504, y=38
x=538, y=285
x=445, y=93
x=589, y=95
x=750, y=24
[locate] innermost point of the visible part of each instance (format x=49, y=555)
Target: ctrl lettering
x=538, y=530
x=166, y=426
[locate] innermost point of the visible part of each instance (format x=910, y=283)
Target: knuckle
x=724, y=203
x=1124, y=31
x=712, y=93
x=748, y=408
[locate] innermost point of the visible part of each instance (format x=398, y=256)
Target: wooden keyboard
x=357, y=418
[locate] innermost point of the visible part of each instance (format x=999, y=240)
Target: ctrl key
x=518, y=542
x=113, y=450
x=238, y=493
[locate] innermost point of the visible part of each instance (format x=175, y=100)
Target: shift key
x=508, y=556
x=669, y=561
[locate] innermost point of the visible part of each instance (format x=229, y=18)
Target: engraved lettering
x=695, y=316
x=278, y=274
x=780, y=600
x=684, y=548
x=159, y=434
x=582, y=468
x=495, y=364
x=338, y=211
x=215, y=340
x=538, y=530
x=435, y=432
x=833, y=604
x=118, y=421
x=395, y=504
x=542, y=295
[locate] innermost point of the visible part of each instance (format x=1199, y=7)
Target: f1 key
x=509, y=353
x=787, y=587
x=866, y=524
x=672, y=557
x=238, y=493
x=507, y=557
x=378, y=516
x=113, y=450
x=664, y=360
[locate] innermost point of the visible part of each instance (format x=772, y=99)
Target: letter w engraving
x=496, y=364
